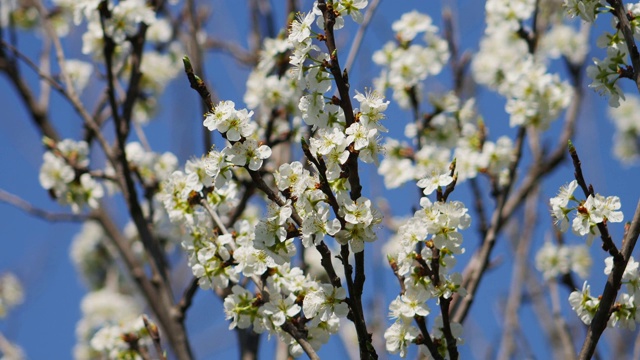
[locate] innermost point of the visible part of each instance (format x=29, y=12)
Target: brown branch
x=71, y=92
x=300, y=338
x=426, y=338
x=197, y=83
x=33, y=66
x=458, y=64
x=38, y=112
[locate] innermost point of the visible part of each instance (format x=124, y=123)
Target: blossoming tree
x=275, y=215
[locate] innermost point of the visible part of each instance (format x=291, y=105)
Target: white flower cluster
x=206, y=178
x=588, y=213
x=451, y=133
x=253, y=246
x=272, y=91
x=323, y=306
x=152, y=167
x=80, y=72
x=436, y=228
x=89, y=254
x=625, y=311
x=605, y=73
x=64, y=174
x=626, y=146
x=586, y=9
x=106, y=316
x=506, y=15
x=534, y=96
x=11, y=293
x=123, y=22
x=121, y=341
x=556, y=260
x=407, y=64
x=564, y=40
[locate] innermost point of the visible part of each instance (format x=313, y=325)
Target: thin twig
x=520, y=268
x=22, y=204
x=196, y=53
x=155, y=337
x=70, y=89
x=480, y=262
x=35, y=67
x=357, y=40
x=187, y=298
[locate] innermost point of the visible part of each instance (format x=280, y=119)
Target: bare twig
x=520, y=268
x=187, y=297
x=195, y=53
x=480, y=261
x=564, y=335
x=122, y=127
x=70, y=89
x=238, y=53
x=35, y=67
x=22, y=204
x=155, y=337
x=357, y=40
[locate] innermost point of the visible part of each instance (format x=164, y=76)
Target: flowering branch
x=355, y=290
x=607, y=243
x=625, y=26
x=520, y=268
x=611, y=288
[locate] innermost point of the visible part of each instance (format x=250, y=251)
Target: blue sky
x=37, y=251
